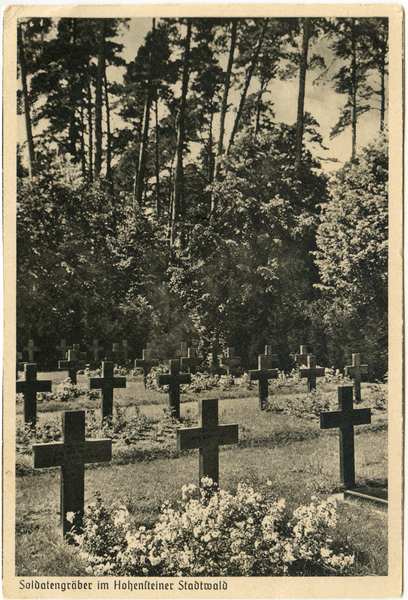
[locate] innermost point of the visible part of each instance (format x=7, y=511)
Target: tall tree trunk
x=108, y=129
x=98, y=98
x=140, y=173
x=82, y=141
x=247, y=83
x=210, y=150
x=353, y=91
x=27, y=110
x=224, y=105
x=261, y=92
x=300, y=122
x=157, y=164
x=178, y=171
x=90, y=132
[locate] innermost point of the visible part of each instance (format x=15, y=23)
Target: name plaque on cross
x=345, y=419
x=207, y=437
x=71, y=455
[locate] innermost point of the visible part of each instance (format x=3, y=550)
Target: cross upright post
x=301, y=359
x=263, y=374
x=230, y=361
x=32, y=350
x=208, y=436
x=345, y=419
x=125, y=351
x=311, y=372
x=107, y=383
x=146, y=363
x=63, y=349
x=96, y=349
x=272, y=358
x=354, y=371
x=71, y=455
x=182, y=351
x=29, y=387
x=72, y=365
x=191, y=361
x=174, y=379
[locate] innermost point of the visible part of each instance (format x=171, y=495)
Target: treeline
x=139, y=218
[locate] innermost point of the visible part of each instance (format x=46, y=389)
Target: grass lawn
x=298, y=458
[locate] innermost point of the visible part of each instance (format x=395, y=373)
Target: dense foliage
x=137, y=219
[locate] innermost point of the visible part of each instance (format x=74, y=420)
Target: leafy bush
x=213, y=533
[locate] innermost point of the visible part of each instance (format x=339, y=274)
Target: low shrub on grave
x=200, y=382
x=214, y=533
x=66, y=391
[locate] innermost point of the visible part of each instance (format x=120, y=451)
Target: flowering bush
x=214, y=533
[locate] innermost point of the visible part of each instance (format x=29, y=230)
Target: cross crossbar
x=207, y=437
x=71, y=455
x=230, y=361
x=311, y=372
x=31, y=349
x=191, y=361
x=146, y=363
x=345, y=419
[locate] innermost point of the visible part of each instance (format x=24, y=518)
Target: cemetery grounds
x=281, y=453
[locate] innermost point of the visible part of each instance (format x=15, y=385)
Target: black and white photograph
x=203, y=326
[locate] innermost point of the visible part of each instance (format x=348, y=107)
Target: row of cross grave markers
x=119, y=352
x=75, y=451
x=30, y=386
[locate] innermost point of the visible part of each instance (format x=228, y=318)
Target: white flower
x=70, y=516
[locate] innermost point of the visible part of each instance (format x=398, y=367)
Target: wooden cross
x=301, y=359
x=19, y=362
x=354, y=371
x=311, y=372
x=263, y=374
x=72, y=365
x=71, y=455
x=63, y=349
x=31, y=349
x=174, y=379
x=208, y=436
x=345, y=419
x=96, y=349
x=29, y=388
x=107, y=383
x=113, y=355
x=125, y=351
x=183, y=350
x=191, y=361
x=146, y=363
x=272, y=358
x=230, y=361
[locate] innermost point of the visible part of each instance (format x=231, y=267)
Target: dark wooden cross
x=107, y=383
x=29, y=387
x=208, y=436
x=301, y=359
x=272, y=358
x=63, y=349
x=73, y=364
x=345, y=419
x=191, y=361
x=96, y=349
x=71, y=455
x=354, y=371
x=183, y=350
x=125, y=351
x=146, y=363
x=114, y=354
x=230, y=361
x=32, y=350
x=174, y=379
x=311, y=372
x=19, y=362
x=263, y=374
